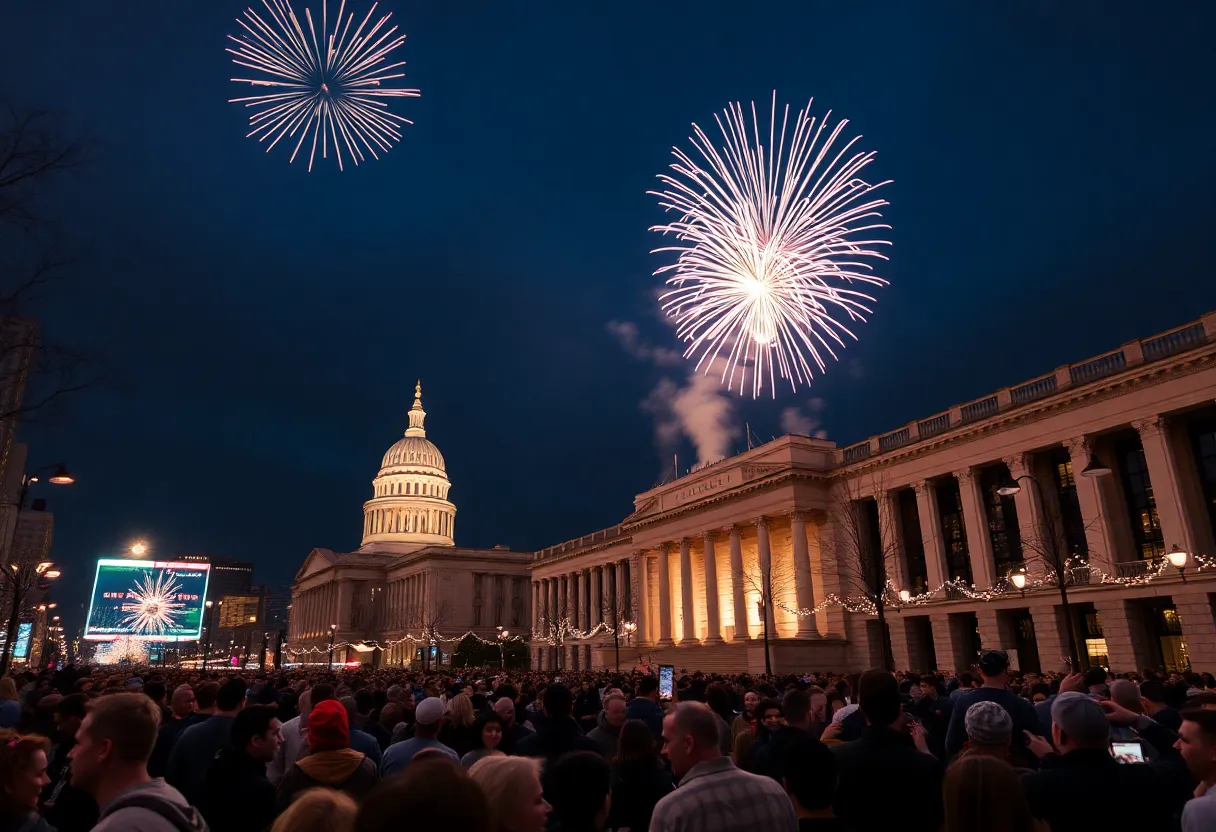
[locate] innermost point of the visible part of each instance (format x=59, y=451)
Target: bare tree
x=614, y=612
x=434, y=613
x=865, y=561
x=24, y=580
x=769, y=584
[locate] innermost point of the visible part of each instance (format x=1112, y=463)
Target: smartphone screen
x=1127, y=752
x=667, y=680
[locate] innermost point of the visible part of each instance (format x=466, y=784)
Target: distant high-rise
x=228, y=575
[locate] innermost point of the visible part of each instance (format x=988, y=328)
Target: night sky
x=263, y=327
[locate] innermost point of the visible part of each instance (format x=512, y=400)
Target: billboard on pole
x=145, y=599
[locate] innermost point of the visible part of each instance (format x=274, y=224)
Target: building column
x=945, y=645
x=554, y=613
x=1124, y=637
x=563, y=593
x=597, y=603
x=1172, y=508
x=664, y=595
x=1050, y=636
x=996, y=630
x=804, y=588
x=975, y=519
x=765, y=556
x=1099, y=531
x=620, y=594
x=584, y=614
x=688, y=616
x=1032, y=526
x=535, y=605
x=1198, y=627
x=903, y=653
x=739, y=598
x=931, y=534
x=891, y=539
x=712, y=618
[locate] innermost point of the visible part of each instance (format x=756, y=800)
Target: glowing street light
x=1178, y=560
x=139, y=548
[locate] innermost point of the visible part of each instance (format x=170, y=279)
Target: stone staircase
x=718, y=658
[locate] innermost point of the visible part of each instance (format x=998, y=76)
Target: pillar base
x=811, y=634
x=664, y=642
x=718, y=640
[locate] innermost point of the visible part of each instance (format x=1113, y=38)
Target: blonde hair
x=507, y=782
x=318, y=810
x=130, y=721
x=460, y=710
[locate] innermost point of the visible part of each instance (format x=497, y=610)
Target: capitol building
x=1106, y=466
x=408, y=577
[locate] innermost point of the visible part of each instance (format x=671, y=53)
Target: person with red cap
x=331, y=762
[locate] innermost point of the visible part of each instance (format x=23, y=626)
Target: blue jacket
x=648, y=712
x=193, y=753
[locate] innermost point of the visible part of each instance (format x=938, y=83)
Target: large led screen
x=146, y=599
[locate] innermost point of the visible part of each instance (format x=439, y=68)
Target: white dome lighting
x=410, y=507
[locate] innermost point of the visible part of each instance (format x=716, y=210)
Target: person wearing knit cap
x=428, y=717
x=331, y=762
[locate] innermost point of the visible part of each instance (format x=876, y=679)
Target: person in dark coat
x=198, y=744
x=645, y=706
x=994, y=668
x=1139, y=796
x=237, y=796
x=557, y=732
x=332, y=763
x=512, y=731
x=639, y=778
x=67, y=807
x=885, y=781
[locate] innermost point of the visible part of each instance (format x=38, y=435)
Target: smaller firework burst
x=126, y=650
x=153, y=608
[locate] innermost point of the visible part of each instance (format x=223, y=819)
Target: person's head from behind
x=1095, y=680
x=115, y=739
x=648, y=688
x=433, y=793
x=513, y=792
x=428, y=716
x=580, y=782
x=205, y=696
x=328, y=727
x=460, y=710
x=797, y=709
x=256, y=732
x=1078, y=722
x=636, y=742
x=505, y=708
x=986, y=791
x=1197, y=743
x=23, y=761
x=808, y=773
x=690, y=736
x=1126, y=694
x=318, y=810
x=322, y=692
x=558, y=701
x=878, y=697
x=69, y=713
x=994, y=667
x=231, y=696
x=989, y=729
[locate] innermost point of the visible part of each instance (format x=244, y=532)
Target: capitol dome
x=410, y=507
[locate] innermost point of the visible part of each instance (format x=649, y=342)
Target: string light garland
x=428, y=638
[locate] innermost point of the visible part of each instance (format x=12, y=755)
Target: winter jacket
x=346, y=770
x=554, y=737
x=193, y=753
x=154, y=806
x=637, y=785
x=236, y=795
x=605, y=736
x=650, y=713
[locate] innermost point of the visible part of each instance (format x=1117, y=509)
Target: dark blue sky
x=1053, y=197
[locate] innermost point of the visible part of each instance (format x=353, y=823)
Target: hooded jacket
x=154, y=806
x=343, y=769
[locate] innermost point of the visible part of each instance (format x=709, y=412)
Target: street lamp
x=503, y=635
x=139, y=549
x=60, y=475
x=333, y=629
x=630, y=627
x=1178, y=559
x=1018, y=579
x=210, y=627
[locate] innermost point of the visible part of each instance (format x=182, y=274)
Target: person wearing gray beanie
x=988, y=725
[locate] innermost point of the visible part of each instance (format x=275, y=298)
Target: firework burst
x=771, y=238
x=153, y=608
x=123, y=650
x=327, y=89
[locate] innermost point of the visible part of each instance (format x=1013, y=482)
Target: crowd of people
x=486, y=750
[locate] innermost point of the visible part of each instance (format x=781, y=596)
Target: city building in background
x=408, y=584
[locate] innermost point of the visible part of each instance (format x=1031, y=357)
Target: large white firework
x=123, y=650
x=327, y=89
x=772, y=237
x=153, y=608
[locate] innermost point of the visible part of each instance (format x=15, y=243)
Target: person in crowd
x=1097, y=679
x=645, y=705
x=318, y=810
x=110, y=761
x=714, y=795
x=404, y=730
x=769, y=756
x=808, y=775
x=1080, y=732
x=639, y=778
x=933, y=710
x=607, y=731
x=180, y=717
x=67, y=807
x=391, y=715
x=1197, y=745
x=10, y=704
x=743, y=722
x=512, y=731
x=1153, y=695
x=489, y=733
x=988, y=730
x=295, y=741
x=886, y=754
x=369, y=716
x=331, y=762
x=983, y=792
x=994, y=669
x=23, y=776
x=198, y=744
x=513, y=792
x=966, y=683
x=557, y=731
x=427, y=718
x=432, y=794
x=820, y=716
x=580, y=782
x=458, y=730
x=718, y=698
x=236, y=793
x=360, y=740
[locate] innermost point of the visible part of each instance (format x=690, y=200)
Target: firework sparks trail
x=771, y=238
x=154, y=608
x=328, y=89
